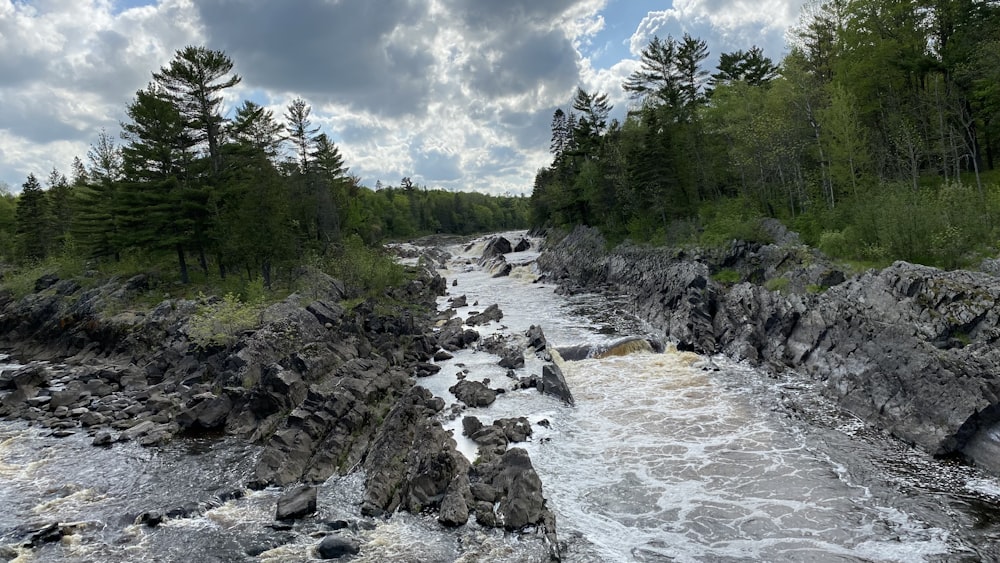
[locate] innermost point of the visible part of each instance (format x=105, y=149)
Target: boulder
x=497, y=246
x=296, y=503
x=553, y=383
x=473, y=393
x=336, y=546
x=522, y=245
x=206, y=411
x=492, y=313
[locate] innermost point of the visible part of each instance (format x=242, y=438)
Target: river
x=664, y=457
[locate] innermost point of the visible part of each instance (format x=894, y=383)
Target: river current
x=665, y=457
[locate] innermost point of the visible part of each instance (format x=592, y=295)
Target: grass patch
x=727, y=277
x=777, y=284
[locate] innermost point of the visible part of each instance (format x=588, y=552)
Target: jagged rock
x=455, y=505
x=909, y=348
x=515, y=429
x=331, y=428
x=412, y=460
x=503, y=270
x=554, y=383
x=296, y=503
x=492, y=313
x=206, y=411
x=518, y=488
x=496, y=247
x=512, y=359
x=423, y=369
x=336, y=546
x=522, y=245
x=473, y=393
x=536, y=338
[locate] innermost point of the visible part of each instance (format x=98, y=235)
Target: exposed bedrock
x=911, y=349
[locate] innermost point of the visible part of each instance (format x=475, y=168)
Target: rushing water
x=660, y=459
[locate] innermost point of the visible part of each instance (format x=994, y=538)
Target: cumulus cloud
x=456, y=94
x=730, y=24
x=69, y=67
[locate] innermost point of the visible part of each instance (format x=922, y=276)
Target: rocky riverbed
x=910, y=349
x=323, y=390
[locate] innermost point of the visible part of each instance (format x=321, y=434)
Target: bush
x=366, y=271
x=727, y=277
x=777, y=284
x=728, y=219
x=220, y=322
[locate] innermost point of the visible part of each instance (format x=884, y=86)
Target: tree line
x=247, y=195
x=876, y=137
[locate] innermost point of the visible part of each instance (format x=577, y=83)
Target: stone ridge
x=910, y=349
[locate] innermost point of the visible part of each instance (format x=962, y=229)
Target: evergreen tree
x=195, y=80
x=157, y=210
x=96, y=211
x=33, y=221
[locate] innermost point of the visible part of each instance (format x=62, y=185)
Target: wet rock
x=515, y=429
x=492, y=313
x=453, y=336
x=336, y=546
x=554, y=383
x=496, y=247
x=455, y=505
x=519, y=489
x=297, y=503
x=522, y=245
x=473, y=393
x=536, y=338
x=103, y=438
x=205, y=411
x=456, y=302
x=441, y=356
x=471, y=425
x=423, y=369
x=412, y=461
x=151, y=519
x=503, y=270
x=513, y=359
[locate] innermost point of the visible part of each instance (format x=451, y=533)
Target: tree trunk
x=182, y=264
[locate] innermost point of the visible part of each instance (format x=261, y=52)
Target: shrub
x=777, y=284
x=727, y=277
x=220, y=322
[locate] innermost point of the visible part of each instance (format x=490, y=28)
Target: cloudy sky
x=456, y=94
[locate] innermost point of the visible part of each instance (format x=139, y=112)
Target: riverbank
x=909, y=349
x=320, y=388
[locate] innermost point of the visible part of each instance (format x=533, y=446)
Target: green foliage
x=220, y=322
x=779, y=284
x=727, y=277
x=731, y=219
x=875, y=138
x=367, y=272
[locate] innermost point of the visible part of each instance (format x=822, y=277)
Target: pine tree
x=195, y=80
x=33, y=221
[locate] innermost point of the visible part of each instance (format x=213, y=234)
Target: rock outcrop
x=909, y=348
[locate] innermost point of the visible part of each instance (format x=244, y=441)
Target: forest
x=876, y=138
x=199, y=197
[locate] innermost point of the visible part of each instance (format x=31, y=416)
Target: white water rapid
x=664, y=457
x=663, y=460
